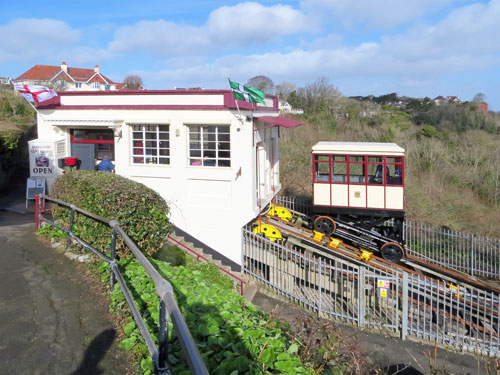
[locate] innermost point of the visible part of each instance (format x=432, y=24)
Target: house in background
x=217, y=166
x=286, y=107
x=64, y=78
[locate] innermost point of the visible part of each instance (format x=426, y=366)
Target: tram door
x=263, y=171
x=85, y=153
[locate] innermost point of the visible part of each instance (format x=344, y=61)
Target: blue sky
x=416, y=48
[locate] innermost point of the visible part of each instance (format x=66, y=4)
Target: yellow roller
x=318, y=236
x=366, y=255
x=271, y=233
x=281, y=212
x=334, y=242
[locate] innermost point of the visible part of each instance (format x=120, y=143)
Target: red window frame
x=365, y=164
x=91, y=141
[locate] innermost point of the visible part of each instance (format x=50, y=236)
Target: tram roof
x=358, y=148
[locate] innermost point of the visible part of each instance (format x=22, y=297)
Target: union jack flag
x=33, y=93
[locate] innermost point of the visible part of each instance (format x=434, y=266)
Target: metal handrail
x=164, y=290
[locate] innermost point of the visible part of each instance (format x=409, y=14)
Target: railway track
x=466, y=302
x=411, y=264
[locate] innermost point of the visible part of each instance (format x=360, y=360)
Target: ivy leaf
x=128, y=343
x=129, y=328
x=294, y=348
x=268, y=357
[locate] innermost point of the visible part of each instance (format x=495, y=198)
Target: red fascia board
x=132, y=107
x=229, y=101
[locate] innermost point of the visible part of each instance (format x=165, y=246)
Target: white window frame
x=150, y=144
x=78, y=85
x=209, y=145
x=96, y=85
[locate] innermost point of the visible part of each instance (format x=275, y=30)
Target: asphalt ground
x=54, y=318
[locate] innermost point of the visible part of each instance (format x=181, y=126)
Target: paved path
x=52, y=320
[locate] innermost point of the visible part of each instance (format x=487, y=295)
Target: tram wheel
x=325, y=225
x=392, y=251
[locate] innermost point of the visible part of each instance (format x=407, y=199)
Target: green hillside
x=453, y=151
x=17, y=126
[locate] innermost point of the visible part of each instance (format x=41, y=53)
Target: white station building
x=216, y=164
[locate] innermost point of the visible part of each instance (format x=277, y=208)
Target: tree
x=262, y=83
x=479, y=98
x=284, y=89
x=133, y=82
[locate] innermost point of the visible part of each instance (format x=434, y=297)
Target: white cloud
x=29, y=39
x=239, y=26
x=254, y=23
x=465, y=41
x=160, y=39
x=380, y=14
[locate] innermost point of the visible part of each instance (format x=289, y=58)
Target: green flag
x=246, y=93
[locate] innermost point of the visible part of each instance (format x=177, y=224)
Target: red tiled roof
x=47, y=72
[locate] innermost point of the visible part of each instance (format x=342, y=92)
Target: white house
x=216, y=167
x=67, y=78
x=286, y=107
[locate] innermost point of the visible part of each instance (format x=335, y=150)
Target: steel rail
x=164, y=290
x=378, y=262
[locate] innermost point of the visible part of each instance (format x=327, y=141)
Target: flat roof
x=358, y=148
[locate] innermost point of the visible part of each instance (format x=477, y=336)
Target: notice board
x=34, y=186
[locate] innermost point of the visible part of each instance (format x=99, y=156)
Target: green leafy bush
x=233, y=336
x=141, y=212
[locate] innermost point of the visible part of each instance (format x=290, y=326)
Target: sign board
x=381, y=283
x=383, y=287
x=34, y=186
x=42, y=158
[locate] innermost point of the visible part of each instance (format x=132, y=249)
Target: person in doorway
x=106, y=165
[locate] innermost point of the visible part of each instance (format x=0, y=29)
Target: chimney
x=64, y=66
x=96, y=68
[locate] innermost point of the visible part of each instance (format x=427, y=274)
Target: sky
x=415, y=48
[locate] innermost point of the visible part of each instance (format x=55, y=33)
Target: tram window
x=394, y=170
x=339, y=171
x=322, y=168
x=322, y=172
x=395, y=174
x=356, y=173
x=375, y=175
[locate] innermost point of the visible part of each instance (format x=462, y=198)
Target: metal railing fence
x=466, y=318
x=164, y=290
x=464, y=252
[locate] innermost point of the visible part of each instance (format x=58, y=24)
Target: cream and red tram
x=358, y=194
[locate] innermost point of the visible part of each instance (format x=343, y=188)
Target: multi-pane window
x=209, y=145
x=361, y=169
x=78, y=85
x=96, y=85
x=150, y=144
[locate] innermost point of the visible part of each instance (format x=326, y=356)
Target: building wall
x=209, y=203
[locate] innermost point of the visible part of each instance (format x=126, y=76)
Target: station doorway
x=91, y=146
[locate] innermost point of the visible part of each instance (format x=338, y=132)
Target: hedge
x=141, y=212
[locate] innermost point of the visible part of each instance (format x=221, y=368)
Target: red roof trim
x=146, y=106
x=284, y=122
x=229, y=102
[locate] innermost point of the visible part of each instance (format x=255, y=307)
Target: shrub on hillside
x=141, y=212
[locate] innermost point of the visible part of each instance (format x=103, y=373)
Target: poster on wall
x=42, y=159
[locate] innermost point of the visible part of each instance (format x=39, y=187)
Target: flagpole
x=32, y=106
x=236, y=101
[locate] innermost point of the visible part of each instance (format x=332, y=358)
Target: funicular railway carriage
x=358, y=192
